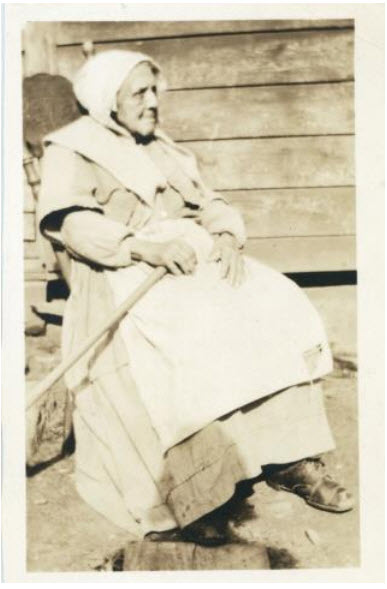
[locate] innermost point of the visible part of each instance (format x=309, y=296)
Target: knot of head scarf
x=97, y=82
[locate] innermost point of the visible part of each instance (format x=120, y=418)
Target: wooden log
x=296, y=212
x=258, y=112
x=276, y=162
x=70, y=33
x=237, y=60
x=29, y=227
x=179, y=556
x=305, y=254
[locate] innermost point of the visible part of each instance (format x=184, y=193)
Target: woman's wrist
x=140, y=249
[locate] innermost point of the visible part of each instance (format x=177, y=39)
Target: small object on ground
x=65, y=469
x=34, y=325
x=40, y=501
x=178, y=556
x=345, y=363
x=312, y=536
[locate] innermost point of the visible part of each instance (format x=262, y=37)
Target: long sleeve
x=218, y=216
x=67, y=185
x=90, y=236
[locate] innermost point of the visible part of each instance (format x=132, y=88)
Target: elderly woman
x=213, y=377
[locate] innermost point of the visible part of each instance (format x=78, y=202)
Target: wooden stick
x=118, y=314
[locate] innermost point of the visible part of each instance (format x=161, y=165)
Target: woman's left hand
x=227, y=252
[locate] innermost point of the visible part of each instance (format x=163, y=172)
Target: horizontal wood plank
x=305, y=254
x=276, y=162
x=78, y=32
x=34, y=269
x=29, y=227
x=235, y=60
x=259, y=111
x=296, y=212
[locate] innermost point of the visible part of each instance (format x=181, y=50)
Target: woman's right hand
x=176, y=255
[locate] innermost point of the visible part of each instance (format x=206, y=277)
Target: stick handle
x=118, y=314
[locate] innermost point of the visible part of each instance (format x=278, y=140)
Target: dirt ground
x=64, y=534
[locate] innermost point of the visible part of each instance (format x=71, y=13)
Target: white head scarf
x=97, y=82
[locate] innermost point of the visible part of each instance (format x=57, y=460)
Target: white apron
x=200, y=348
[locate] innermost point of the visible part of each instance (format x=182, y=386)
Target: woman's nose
x=151, y=100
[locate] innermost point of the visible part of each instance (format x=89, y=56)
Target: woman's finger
x=174, y=268
x=232, y=270
x=225, y=262
x=185, y=263
x=188, y=265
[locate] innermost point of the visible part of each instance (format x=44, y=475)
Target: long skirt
x=220, y=382
x=123, y=474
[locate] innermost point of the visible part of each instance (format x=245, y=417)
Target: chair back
x=48, y=104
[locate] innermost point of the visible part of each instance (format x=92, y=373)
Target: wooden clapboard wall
x=267, y=106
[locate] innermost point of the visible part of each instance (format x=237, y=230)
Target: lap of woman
x=200, y=347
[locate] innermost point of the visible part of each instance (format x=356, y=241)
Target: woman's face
x=137, y=101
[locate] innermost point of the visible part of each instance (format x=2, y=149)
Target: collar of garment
x=116, y=150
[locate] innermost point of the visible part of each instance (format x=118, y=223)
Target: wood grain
x=78, y=32
x=276, y=163
x=305, y=254
x=235, y=60
x=259, y=111
x=296, y=212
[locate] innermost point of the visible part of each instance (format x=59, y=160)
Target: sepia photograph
x=190, y=294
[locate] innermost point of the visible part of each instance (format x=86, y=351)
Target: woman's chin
x=147, y=129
